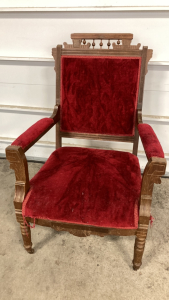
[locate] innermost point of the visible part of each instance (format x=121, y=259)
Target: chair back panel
x=99, y=94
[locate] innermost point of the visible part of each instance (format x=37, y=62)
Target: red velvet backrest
x=99, y=94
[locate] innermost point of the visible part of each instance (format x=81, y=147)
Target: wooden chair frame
x=154, y=169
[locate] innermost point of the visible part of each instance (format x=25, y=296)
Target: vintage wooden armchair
x=86, y=191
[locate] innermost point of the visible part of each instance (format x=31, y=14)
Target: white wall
x=27, y=77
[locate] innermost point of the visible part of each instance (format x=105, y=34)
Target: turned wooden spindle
x=108, y=44
x=118, y=42
x=26, y=235
x=101, y=44
x=93, y=44
x=84, y=41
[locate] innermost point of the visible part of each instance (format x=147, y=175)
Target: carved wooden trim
x=18, y=213
x=103, y=36
x=54, y=54
x=102, y=52
x=83, y=230
x=26, y=235
x=76, y=44
x=125, y=39
x=126, y=45
x=139, y=246
x=149, y=56
x=18, y=163
x=95, y=136
x=154, y=169
x=56, y=117
x=76, y=232
x=139, y=117
x=56, y=113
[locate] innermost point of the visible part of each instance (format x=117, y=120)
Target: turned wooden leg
x=139, y=248
x=26, y=235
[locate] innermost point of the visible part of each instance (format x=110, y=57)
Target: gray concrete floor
x=65, y=267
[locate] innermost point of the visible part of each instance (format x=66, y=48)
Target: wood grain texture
x=126, y=45
x=142, y=78
x=25, y=231
x=83, y=230
x=136, y=139
x=128, y=139
x=26, y=236
x=155, y=168
x=18, y=163
x=103, y=36
x=57, y=56
x=76, y=44
x=149, y=56
x=101, y=52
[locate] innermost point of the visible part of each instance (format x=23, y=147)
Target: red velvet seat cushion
x=99, y=94
x=86, y=186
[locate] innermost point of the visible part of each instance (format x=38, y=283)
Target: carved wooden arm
x=154, y=169
x=18, y=163
x=16, y=154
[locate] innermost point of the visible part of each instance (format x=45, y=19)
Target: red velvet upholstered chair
x=86, y=191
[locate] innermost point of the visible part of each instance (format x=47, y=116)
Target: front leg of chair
x=139, y=246
x=25, y=228
x=154, y=169
x=18, y=163
x=26, y=235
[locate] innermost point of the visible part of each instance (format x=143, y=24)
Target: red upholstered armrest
x=33, y=132
x=150, y=141
x=36, y=131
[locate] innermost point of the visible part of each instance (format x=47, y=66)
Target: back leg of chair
x=139, y=248
x=26, y=235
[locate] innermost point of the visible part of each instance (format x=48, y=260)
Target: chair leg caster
x=30, y=250
x=136, y=266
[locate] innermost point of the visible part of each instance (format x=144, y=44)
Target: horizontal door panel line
x=50, y=144
x=44, y=111
x=49, y=61
x=22, y=83
x=82, y=11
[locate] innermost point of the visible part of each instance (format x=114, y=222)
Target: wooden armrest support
x=18, y=163
x=154, y=169
x=27, y=139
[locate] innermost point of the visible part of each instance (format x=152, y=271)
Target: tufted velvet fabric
x=99, y=94
x=86, y=186
x=33, y=132
x=150, y=141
